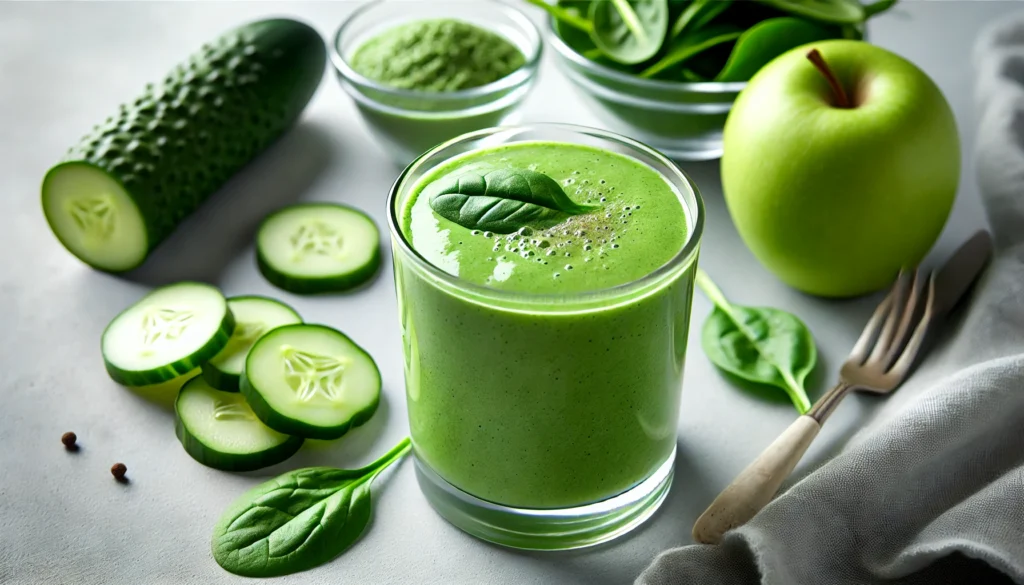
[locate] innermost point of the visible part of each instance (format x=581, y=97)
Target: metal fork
x=880, y=361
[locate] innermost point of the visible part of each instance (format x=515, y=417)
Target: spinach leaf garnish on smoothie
x=502, y=200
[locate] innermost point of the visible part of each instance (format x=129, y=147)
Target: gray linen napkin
x=932, y=490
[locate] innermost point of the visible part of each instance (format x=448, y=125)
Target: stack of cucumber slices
x=269, y=381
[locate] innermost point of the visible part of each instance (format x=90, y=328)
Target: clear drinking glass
x=503, y=389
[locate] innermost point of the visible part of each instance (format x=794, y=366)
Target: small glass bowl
x=682, y=120
x=410, y=122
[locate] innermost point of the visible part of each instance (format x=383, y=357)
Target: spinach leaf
x=852, y=31
x=629, y=31
x=579, y=40
x=711, y=61
x=298, y=520
x=693, y=44
x=766, y=40
x=830, y=11
x=758, y=344
x=676, y=7
x=697, y=15
x=501, y=200
x=878, y=7
x=568, y=15
x=691, y=76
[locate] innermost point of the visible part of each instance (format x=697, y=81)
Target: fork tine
x=918, y=288
x=899, y=303
x=902, y=366
x=871, y=331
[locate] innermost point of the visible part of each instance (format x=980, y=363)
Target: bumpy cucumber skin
x=184, y=138
x=311, y=286
x=178, y=368
x=231, y=461
x=227, y=381
x=290, y=426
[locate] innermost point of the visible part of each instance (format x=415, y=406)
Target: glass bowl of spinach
x=666, y=72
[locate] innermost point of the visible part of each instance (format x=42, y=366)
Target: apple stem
x=842, y=100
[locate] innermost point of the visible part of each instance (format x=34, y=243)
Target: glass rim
x=517, y=77
x=606, y=92
x=571, y=54
x=685, y=254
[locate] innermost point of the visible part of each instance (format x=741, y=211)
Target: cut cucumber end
x=169, y=332
x=254, y=316
x=310, y=380
x=219, y=430
x=93, y=216
x=318, y=247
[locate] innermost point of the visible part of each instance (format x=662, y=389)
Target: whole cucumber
x=128, y=184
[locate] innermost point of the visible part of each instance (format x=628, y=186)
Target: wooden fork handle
x=756, y=485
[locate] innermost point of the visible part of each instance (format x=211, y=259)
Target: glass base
x=559, y=529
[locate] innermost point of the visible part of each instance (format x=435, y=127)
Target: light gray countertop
x=65, y=66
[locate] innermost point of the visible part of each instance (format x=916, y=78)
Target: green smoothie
x=564, y=391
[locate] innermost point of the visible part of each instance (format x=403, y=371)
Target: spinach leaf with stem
x=831, y=11
x=876, y=8
x=697, y=15
x=565, y=15
x=298, y=520
x=766, y=40
x=629, y=31
x=501, y=200
x=758, y=344
x=691, y=45
x=575, y=32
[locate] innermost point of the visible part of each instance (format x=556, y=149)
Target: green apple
x=834, y=196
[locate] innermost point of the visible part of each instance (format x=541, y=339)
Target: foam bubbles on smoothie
x=589, y=236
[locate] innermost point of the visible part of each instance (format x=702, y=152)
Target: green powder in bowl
x=437, y=55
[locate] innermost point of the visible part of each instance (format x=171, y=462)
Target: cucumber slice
x=318, y=247
x=219, y=430
x=254, y=316
x=311, y=381
x=167, y=333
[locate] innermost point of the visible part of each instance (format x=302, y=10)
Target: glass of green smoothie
x=421, y=73
x=544, y=277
